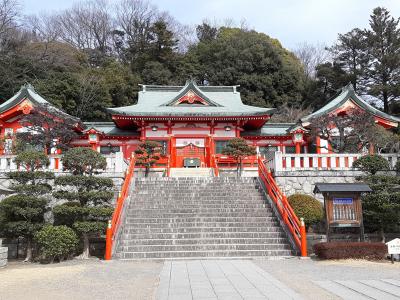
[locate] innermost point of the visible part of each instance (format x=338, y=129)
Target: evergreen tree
x=88, y=197
x=349, y=53
x=239, y=149
x=268, y=74
x=384, y=57
x=148, y=153
x=22, y=214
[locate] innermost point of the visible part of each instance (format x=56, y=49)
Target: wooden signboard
x=342, y=204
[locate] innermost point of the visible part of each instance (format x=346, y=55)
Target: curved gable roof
x=159, y=100
x=27, y=92
x=346, y=94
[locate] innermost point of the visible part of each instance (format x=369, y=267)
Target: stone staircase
x=199, y=218
x=191, y=172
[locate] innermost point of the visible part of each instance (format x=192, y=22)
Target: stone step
x=203, y=247
x=199, y=229
x=197, y=206
x=197, y=201
x=206, y=254
x=205, y=235
x=212, y=180
x=198, y=214
x=178, y=218
x=202, y=224
x=200, y=211
x=196, y=220
x=203, y=241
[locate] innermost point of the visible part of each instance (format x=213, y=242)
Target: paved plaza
x=201, y=279
x=219, y=279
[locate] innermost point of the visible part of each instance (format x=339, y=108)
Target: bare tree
x=8, y=15
x=88, y=94
x=348, y=131
x=311, y=56
x=289, y=114
x=87, y=25
x=134, y=18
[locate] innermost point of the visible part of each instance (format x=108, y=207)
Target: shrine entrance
x=190, y=156
x=190, y=153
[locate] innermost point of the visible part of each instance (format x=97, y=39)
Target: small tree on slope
x=88, y=207
x=22, y=214
x=239, y=149
x=148, y=153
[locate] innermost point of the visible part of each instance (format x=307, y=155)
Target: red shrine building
x=190, y=122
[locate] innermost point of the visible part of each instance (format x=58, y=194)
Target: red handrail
x=295, y=226
x=214, y=165
x=114, y=223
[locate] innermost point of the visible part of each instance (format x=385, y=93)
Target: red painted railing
x=115, y=222
x=214, y=165
x=295, y=226
x=169, y=166
x=231, y=162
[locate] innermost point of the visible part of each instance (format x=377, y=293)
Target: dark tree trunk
x=85, y=254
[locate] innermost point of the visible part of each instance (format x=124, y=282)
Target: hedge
x=343, y=250
x=306, y=207
x=56, y=242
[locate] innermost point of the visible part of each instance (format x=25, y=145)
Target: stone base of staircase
x=192, y=218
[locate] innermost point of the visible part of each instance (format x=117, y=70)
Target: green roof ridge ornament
x=28, y=86
x=349, y=87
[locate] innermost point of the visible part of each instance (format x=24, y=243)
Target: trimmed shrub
x=307, y=207
x=397, y=166
x=343, y=250
x=56, y=242
x=371, y=164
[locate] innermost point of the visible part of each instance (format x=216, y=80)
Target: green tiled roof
x=157, y=100
x=109, y=129
x=271, y=129
x=346, y=94
x=27, y=91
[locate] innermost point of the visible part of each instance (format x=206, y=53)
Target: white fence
x=279, y=161
x=115, y=163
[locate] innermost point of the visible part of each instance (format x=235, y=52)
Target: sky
x=293, y=22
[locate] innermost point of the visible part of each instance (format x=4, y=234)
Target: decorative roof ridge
x=98, y=123
x=191, y=86
x=278, y=124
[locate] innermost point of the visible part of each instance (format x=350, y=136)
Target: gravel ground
x=80, y=279
x=299, y=274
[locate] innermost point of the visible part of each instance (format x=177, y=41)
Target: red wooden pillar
x=298, y=148
x=172, y=154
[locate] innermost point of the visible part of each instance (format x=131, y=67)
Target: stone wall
x=303, y=182
x=3, y=256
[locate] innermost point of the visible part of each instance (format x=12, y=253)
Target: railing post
x=303, y=236
x=107, y=255
x=278, y=161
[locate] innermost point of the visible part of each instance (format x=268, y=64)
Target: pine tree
x=349, y=53
x=384, y=57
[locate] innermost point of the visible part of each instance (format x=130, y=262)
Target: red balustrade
x=114, y=223
x=214, y=165
x=296, y=227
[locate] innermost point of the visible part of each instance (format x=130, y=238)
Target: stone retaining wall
x=3, y=256
x=303, y=182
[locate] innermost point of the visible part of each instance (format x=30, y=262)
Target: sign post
x=393, y=248
x=343, y=207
